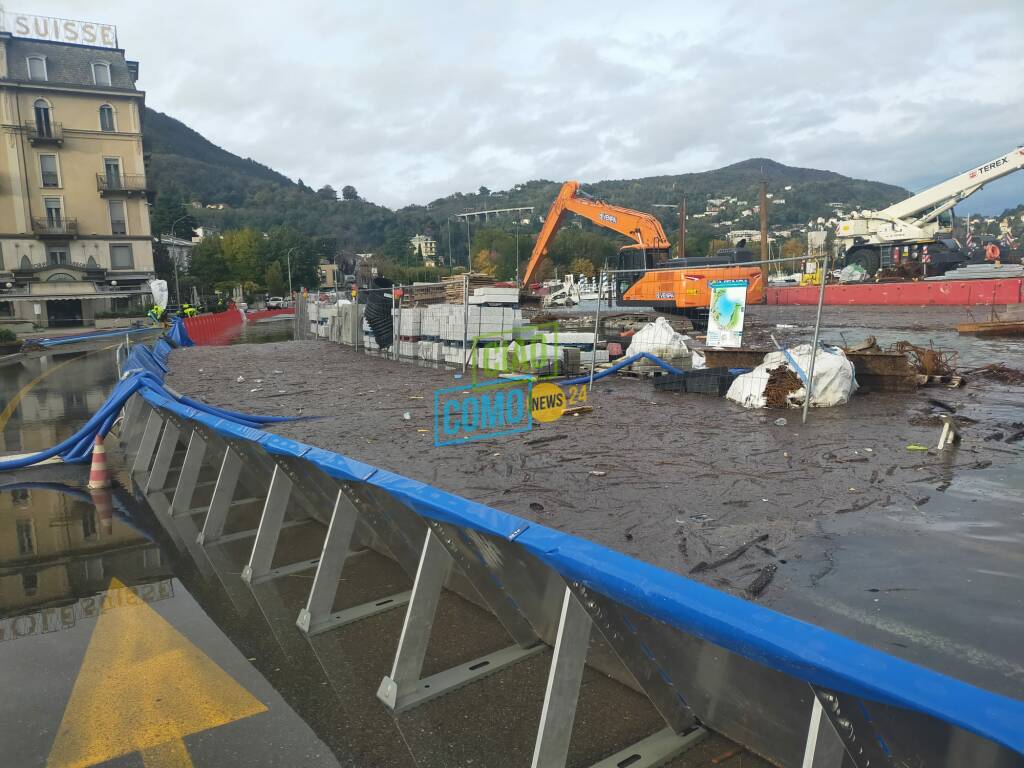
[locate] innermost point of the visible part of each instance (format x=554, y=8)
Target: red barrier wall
x=1008, y=290
x=214, y=329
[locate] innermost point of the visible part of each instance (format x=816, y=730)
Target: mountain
x=809, y=197
x=183, y=164
x=180, y=158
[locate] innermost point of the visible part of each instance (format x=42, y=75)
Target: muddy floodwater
x=911, y=551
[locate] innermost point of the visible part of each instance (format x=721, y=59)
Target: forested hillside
x=184, y=167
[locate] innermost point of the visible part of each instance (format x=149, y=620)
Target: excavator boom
x=642, y=228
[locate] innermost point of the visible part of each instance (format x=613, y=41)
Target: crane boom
x=643, y=228
x=956, y=189
x=916, y=219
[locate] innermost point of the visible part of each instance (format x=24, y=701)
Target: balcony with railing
x=44, y=133
x=55, y=227
x=121, y=184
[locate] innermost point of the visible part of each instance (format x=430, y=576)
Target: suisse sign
x=60, y=30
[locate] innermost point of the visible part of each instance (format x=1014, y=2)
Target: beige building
x=426, y=247
x=74, y=214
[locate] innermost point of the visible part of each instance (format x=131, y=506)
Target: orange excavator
x=645, y=275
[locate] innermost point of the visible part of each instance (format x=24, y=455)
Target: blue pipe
x=622, y=364
x=145, y=368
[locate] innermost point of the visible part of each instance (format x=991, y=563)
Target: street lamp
x=177, y=286
x=517, y=253
x=291, y=294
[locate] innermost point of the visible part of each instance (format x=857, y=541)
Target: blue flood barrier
x=790, y=646
x=804, y=651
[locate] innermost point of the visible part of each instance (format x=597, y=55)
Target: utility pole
x=288, y=256
x=682, y=229
x=469, y=248
x=517, y=253
x=449, y=245
x=174, y=251
x=764, y=234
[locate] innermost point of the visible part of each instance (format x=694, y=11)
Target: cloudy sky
x=409, y=101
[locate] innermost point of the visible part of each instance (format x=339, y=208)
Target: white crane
x=915, y=220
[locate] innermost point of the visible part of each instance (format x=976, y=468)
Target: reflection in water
x=55, y=407
x=59, y=547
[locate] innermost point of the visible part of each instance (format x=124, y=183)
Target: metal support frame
x=189, y=474
x=150, y=436
x=164, y=456
x=317, y=617
x=260, y=560
x=563, y=689
x=823, y=748
x=465, y=548
x=404, y=688
x=223, y=493
x=560, y=699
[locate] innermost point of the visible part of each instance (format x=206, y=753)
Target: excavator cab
x=633, y=263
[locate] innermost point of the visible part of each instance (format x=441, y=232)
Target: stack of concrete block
x=368, y=340
x=350, y=324
x=492, y=294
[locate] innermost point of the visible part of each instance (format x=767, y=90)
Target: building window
x=48, y=170
x=29, y=583
x=44, y=125
x=112, y=170
x=6, y=309
x=61, y=277
x=107, y=118
x=57, y=254
x=121, y=256
x=118, y=222
x=101, y=73
x=26, y=530
x=36, y=68
x=54, y=212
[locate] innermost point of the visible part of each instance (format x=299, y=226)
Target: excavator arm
x=642, y=228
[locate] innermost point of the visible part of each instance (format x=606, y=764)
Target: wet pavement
x=130, y=645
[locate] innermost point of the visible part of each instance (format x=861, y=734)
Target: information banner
x=726, y=312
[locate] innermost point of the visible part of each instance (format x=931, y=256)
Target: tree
x=793, y=248
x=241, y=253
x=274, y=279
x=484, y=192
x=327, y=192
x=486, y=262
x=582, y=266
x=398, y=250
x=348, y=192
x=208, y=267
x=170, y=211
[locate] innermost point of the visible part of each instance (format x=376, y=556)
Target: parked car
x=275, y=302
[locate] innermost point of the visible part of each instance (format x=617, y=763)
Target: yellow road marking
x=171, y=754
x=8, y=411
x=143, y=687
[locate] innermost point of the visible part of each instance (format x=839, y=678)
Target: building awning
x=72, y=297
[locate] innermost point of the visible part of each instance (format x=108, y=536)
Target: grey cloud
x=410, y=101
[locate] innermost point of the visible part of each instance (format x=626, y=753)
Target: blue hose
x=622, y=364
x=144, y=369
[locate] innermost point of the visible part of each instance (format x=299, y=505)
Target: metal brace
x=259, y=566
x=317, y=617
x=189, y=474
x=150, y=436
x=562, y=694
x=164, y=455
x=404, y=688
